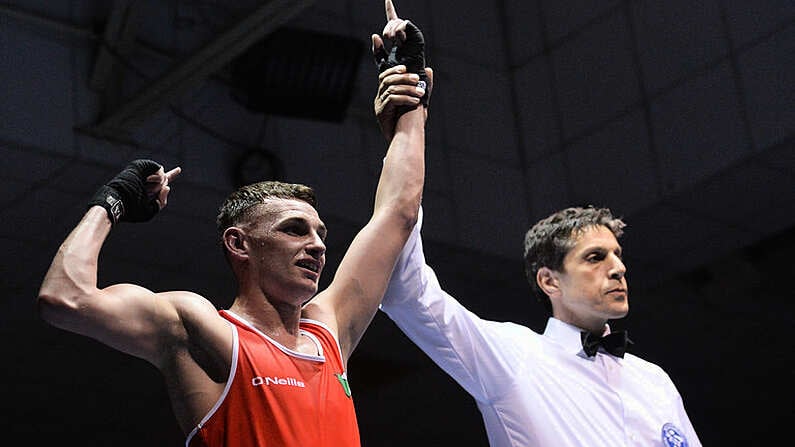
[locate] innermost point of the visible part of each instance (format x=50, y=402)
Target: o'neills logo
x=289, y=381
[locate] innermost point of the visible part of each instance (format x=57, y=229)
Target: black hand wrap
x=410, y=53
x=125, y=197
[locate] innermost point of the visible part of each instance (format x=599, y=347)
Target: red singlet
x=276, y=397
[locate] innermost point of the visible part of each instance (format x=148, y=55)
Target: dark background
x=677, y=115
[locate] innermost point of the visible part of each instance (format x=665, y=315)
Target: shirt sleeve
x=687, y=426
x=465, y=346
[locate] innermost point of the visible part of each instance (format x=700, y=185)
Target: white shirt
x=533, y=389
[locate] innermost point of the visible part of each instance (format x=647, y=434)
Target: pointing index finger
x=172, y=174
x=391, y=14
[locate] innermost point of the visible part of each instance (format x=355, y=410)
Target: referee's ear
x=549, y=282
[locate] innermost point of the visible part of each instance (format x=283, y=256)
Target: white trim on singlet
x=286, y=350
x=334, y=336
x=232, y=371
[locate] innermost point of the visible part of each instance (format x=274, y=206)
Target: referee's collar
x=567, y=335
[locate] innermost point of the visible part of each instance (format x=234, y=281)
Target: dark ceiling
x=678, y=115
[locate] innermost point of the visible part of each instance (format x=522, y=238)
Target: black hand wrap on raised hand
x=410, y=53
x=125, y=197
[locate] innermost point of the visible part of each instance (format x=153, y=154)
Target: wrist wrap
x=410, y=53
x=125, y=197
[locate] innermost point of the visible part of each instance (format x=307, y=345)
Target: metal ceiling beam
x=119, y=40
x=59, y=28
x=188, y=73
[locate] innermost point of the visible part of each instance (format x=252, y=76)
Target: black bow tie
x=615, y=343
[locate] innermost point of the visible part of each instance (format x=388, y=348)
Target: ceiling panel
x=595, y=75
x=675, y=38
x=699, y=129
x=630, y=185
x=767, y=73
